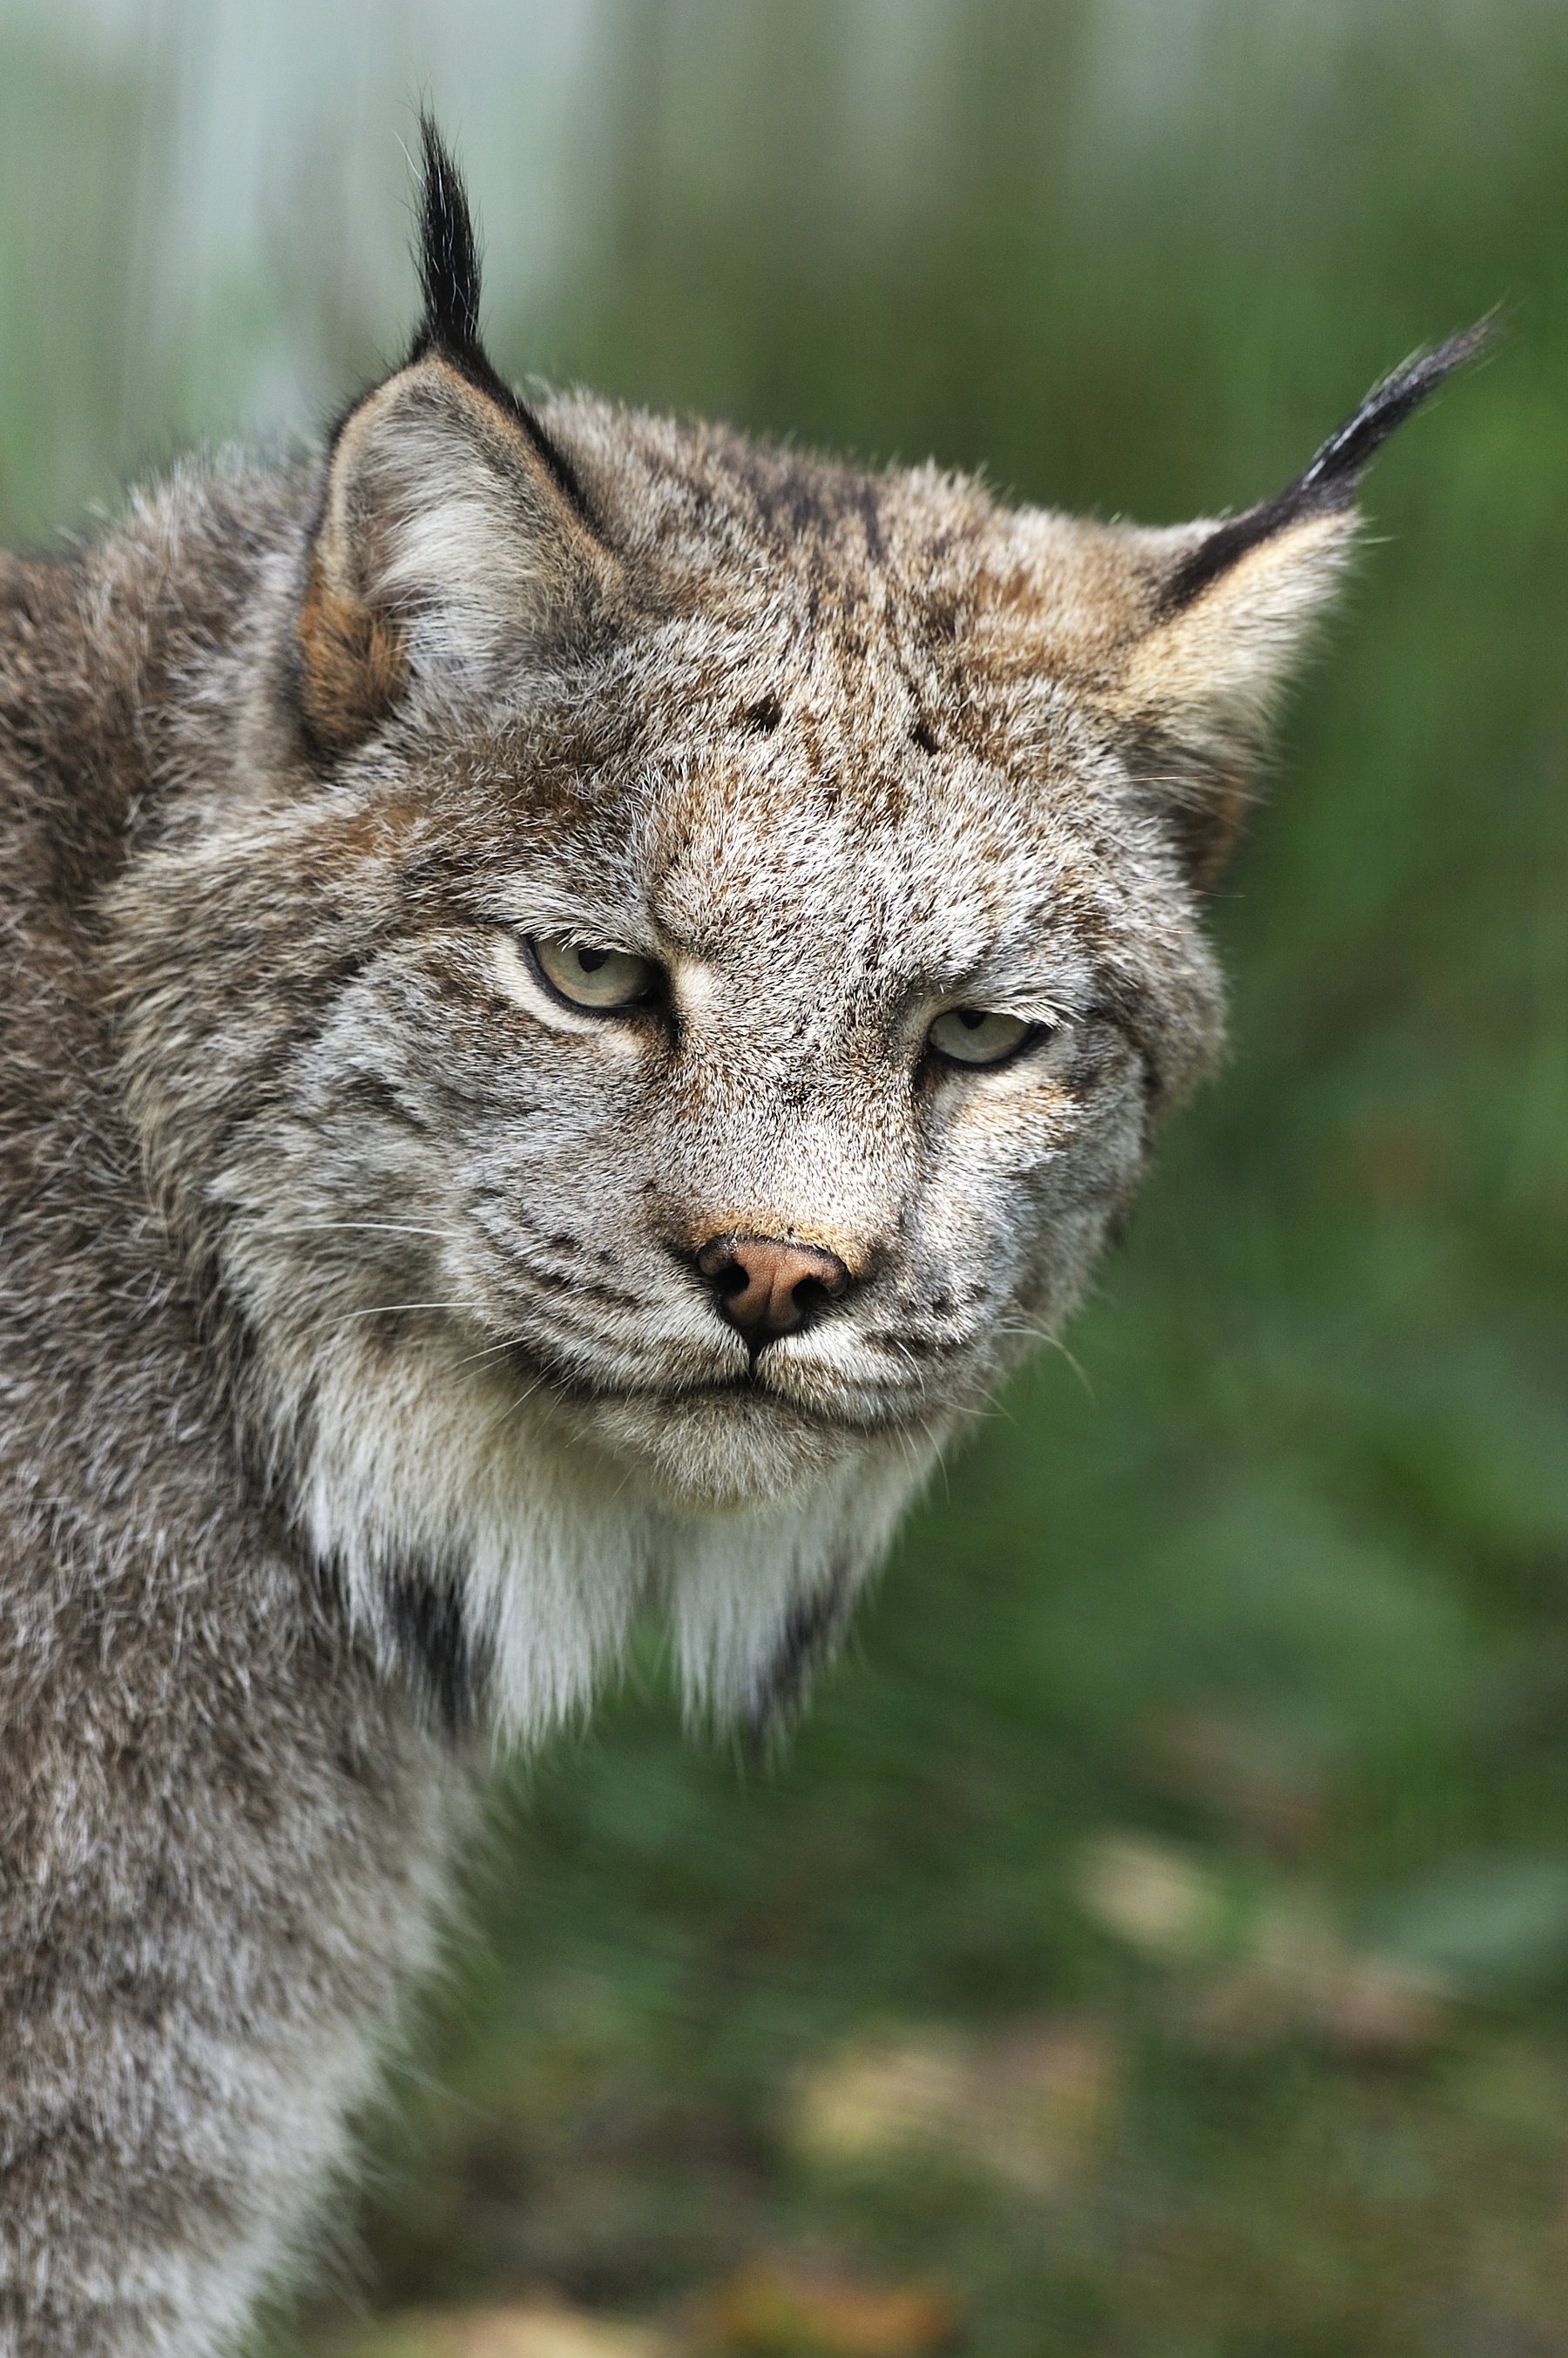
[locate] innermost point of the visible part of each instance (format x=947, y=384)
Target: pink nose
x=767, y=1287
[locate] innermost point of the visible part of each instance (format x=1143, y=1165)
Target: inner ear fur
x=1200, y=686
x=446, y=546
x=1228, y=609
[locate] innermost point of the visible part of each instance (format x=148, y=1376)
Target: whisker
x=1055, y=1343
x=975, y=1411
x=388, y=1309
x=1042, y=1334
x=489, y=1351
x=387, y=1228
x=525, y=1396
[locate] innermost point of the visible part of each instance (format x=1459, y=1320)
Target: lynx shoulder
x=578, y=987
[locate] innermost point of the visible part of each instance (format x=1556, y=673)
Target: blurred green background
x=1155, y=1942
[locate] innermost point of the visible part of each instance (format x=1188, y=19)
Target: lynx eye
x=969, y=1035
x=584, y=974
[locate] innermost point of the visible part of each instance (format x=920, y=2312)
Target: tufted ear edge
x=454, y=534
x=1231, y=610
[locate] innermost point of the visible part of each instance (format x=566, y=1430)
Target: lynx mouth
x=751, y=1391
x=747, y=1392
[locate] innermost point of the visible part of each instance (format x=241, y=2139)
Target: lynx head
x=679, y=984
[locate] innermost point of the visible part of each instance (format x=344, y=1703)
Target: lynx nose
x=766, y=1287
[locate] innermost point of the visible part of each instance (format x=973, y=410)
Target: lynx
x=579, y=991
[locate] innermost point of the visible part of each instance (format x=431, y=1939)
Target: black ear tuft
x=449, y=258
x=450, y=276
x=1330, y=481
x=1344, y=457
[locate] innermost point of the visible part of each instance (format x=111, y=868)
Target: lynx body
x=578, y=992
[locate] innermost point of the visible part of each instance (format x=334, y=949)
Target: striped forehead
x=841, y=874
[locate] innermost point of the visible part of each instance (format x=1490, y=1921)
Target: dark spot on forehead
x=764, y=717
x=803, y=501
x=939, y=617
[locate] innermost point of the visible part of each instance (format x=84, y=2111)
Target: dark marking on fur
x=806, y=504
x=810, y=1628
x=373, y=1093
x=446, y=1670
x=1329, y=483
x=575, y=1282
x=906, y=1345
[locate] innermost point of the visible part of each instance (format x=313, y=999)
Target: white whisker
x=1043, y=1335
x=388, y=1309
x=489, y=1351
x=525, y=1396
x=386, y=1228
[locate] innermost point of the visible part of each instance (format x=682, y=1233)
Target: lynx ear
x=454, y=537
x=1233, y=609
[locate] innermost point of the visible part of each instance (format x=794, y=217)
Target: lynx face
x=679, y=984
x=797, y=912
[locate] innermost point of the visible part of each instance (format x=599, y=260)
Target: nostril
x=809, y=1296
x=718, y=1263
x=767, y=1286
x=735, y=1292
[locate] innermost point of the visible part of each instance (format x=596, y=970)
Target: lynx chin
x=579, y=990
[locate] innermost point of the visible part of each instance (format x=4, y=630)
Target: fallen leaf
x=1155, y=1897
x=777, y=2310
x=878, y=2096
x=1379, y=2009
x=1029, y=2107
x=1300, y=1978
x=535, y=2330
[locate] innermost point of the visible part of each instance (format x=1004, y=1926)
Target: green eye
x=584, y=975
x=969, y=1035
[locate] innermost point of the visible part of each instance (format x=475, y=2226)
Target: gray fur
x=359, y=1387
